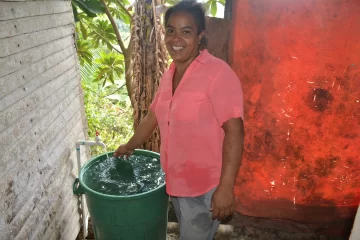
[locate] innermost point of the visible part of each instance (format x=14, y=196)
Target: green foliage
x=83, y=30
x=107, y=107
x=75, y=12
x=111, y=65
x=102, y=33
x=107, y=104
x=83, y=52
x=211, y=6
x=111, y=117
x=172, y=2
x=119, y=11
x=90, y=7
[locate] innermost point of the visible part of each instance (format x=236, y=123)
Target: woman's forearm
x=143, y=131
x=232, y=152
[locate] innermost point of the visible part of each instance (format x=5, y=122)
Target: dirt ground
x=227, y=232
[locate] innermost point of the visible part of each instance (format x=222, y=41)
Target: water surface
x=124, y=177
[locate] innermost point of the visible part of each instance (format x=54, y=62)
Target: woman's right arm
x=142, y=133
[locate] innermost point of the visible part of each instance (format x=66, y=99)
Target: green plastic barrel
x=134, y=217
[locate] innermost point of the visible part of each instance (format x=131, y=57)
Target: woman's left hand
x=222, y=203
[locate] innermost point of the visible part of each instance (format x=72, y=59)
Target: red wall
x=299, y=63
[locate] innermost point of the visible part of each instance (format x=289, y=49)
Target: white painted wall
x=355, y=233
x=41, y=117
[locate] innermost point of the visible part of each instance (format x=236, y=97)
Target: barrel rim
x=114, y=197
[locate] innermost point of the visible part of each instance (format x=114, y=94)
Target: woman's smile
x=177, y=48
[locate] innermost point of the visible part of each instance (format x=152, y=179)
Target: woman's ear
x=201, y=35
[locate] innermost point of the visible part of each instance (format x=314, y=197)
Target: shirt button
x=168, y=123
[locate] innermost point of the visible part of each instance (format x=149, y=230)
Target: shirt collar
x=203, y=56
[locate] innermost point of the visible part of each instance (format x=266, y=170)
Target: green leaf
x=172, y=2
x=125, y=3
x=83, y=30
x=75, y=12
x=213, y=8
x=111, y=77
x=207, y=5
x=111, y=66
x=114, y=11
x=102, y=32
x=83, y=52
x=93, y=6
x=222, y=2
x=81, y=61
x=120, y=13
x=90, y=7
x=100, y=74
x=125, y=17
x=88, y=13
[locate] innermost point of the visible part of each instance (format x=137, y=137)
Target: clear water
x=107, y=154
x=123, y=177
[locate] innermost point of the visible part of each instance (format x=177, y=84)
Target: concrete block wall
x=41, y=117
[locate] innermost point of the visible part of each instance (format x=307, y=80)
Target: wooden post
x=218, y=34
x=228, y=9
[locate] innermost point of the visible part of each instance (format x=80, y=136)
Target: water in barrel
x=124, y=177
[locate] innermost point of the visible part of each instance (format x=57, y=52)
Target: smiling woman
x=199, y=110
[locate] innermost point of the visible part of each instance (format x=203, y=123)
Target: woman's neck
x=182, y=66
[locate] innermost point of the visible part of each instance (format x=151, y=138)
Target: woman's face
x=182, y=38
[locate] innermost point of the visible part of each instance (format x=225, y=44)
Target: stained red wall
x=299, y=63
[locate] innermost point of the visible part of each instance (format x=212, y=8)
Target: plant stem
x=115, y=90
x=116, y=30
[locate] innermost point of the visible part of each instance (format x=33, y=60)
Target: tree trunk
x=128, y=79
x=149, y=61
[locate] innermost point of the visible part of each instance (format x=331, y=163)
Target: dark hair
x=196, y=10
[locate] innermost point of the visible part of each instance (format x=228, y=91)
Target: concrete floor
x=228, y=232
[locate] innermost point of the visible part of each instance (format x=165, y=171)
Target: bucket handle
x=77, y=189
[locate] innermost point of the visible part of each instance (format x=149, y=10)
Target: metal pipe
x=97, y=142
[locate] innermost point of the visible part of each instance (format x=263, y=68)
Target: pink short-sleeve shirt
x=190, y=123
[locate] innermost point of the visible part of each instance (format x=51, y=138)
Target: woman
x=199, y=110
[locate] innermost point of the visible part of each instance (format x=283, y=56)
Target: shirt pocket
x=186, y=107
